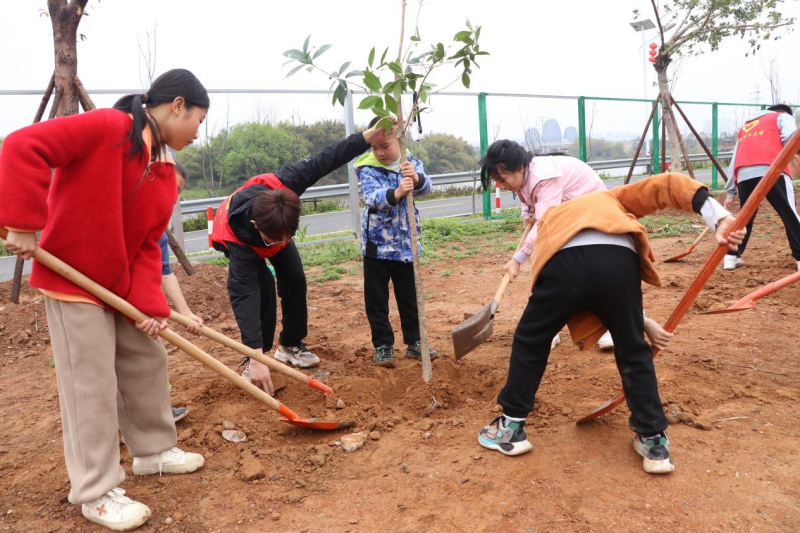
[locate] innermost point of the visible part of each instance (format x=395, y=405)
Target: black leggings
x=781, y=198
x=602, y=279
x=377, y=273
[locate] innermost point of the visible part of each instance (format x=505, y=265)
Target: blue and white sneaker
x=508, y=440
x=655, y=450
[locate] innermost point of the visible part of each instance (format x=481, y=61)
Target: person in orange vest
x=760, y=141
x=258, y=222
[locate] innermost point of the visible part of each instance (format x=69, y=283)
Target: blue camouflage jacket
x=385, y=233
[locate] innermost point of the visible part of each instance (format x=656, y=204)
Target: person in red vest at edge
x=760, y=141
x=258, y=222
x=102, y=212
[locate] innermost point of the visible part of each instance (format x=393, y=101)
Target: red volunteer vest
x=759, y=143
x=221, y=231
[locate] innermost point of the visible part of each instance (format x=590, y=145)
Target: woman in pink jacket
x=542, y=182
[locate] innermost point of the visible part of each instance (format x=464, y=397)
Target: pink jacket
x=551, y=181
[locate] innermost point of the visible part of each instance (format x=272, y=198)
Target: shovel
x=748, y=302
x=478, y=327
x=100, y=292
x=249, y=352
x=691, y=247
x=746, y=213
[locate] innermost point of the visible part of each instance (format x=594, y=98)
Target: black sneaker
x=508, y=440
x=655, y=451
x=384, y=356
x=414, y=351
x=179, y=413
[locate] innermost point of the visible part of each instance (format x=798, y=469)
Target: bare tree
x=147, y=55
x=773, y=76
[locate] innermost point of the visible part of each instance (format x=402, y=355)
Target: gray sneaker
x=296, y=355
x=179, y=413
x=414, y=351
x=384, y=356
x=655, y=451
x=508, y=440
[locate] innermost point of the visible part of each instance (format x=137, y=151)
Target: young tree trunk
x=65, y=17
x=672, y=132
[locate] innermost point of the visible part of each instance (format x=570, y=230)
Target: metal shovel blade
x=678, y=257
x=472, y=332
x=313, y=423
x=736, y=307
x=603, y=409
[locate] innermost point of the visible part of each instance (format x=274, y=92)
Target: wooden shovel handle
x=121, y=305
x=498, y=296
x=698, y=239
x=249, y=352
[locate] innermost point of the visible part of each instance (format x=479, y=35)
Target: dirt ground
x=729, y=384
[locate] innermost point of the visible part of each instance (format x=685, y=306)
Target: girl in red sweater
x=103, y=212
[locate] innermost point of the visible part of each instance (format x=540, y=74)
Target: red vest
x=759, y=143
x=221, y=231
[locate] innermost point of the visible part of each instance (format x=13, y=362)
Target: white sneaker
x=174, y=461
x=606, y=342
x=116, y=511
x=296, y=355
x=556, y=341
x=732, y=262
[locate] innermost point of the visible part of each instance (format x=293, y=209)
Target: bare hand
x=512, y=269
x=375, y=131
x=152, y=326
x=21, y=243
x=734, y=239
x=659, y=337
x=260, y=377
x=406, y=186
x=730, y=203
x=197, y=323
x=407, y=168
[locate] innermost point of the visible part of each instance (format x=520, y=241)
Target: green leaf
x=322, y=49
x=369, y=102
x=379, y=111
x=305, y=45
x=295, y=69
x=371, y=56
x=372, y=82
x=294, y=54
x=412, y=84
x=468, y=24
x=423, y=93
x=460, y=36
x=383, y=57
x=439, y=52
x=415, y=38
x=477, y=34
x=398, y=88
x=354, y=73
x=395, y=67
x=344, y=67
x=465, y=80
x=391, y=104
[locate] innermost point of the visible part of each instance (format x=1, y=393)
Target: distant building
x=570, y=134
x=551, y=132
x=533, y=138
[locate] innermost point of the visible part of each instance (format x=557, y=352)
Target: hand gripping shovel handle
x=756, y=197
x=498, y=296
x=63, y=269
x=249, y=352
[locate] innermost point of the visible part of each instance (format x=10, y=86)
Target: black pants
x=292, y=291
x=377, y=273
x=781, y=198
x=602, y=279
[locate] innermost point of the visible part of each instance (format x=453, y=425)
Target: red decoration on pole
x=652, y=59
x=653, y=46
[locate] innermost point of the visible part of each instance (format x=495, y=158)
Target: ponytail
x=504, y=154
x=166, y=88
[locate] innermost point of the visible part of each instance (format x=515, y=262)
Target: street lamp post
x=642, y=26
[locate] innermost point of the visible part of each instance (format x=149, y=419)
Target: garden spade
x=748, y=302
x=691, y=247
x=748, y=210
x=121, y=305
x=472, y=332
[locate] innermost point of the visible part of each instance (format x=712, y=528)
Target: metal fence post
x=484, y=132
x=582, y=128
x=714, y=143
x=656, y=168
x=177, y=224
x=349, y=126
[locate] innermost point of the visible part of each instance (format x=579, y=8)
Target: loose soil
x=729, y=384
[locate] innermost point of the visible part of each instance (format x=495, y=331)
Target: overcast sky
x=564, y=47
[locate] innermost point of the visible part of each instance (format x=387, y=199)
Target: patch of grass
x=670, y=226
x=51, y=363
x=321, y=206
x=330, y=253
x=329, y=273
x=4, y=251
x=219, y=261
x=446, y=273
x=195, y=223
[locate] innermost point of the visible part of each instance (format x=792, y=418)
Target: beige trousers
x=110, y=376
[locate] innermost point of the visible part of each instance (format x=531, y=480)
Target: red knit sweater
x=104, y=212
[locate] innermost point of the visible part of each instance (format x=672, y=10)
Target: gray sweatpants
x=111, y=376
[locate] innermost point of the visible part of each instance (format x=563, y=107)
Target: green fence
x=655, y=158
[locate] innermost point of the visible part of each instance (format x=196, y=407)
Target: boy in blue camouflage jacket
x=386, y=243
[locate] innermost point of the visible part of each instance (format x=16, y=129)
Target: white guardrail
x=189, y=207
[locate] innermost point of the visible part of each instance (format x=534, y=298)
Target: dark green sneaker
x=508, y=440
x=179, y=413
x=655, y=451
x=384, y=356
x=414, y=351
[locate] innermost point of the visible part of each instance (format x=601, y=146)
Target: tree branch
x=658, y=19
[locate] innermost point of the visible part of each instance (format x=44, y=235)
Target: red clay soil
x=729, y=383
